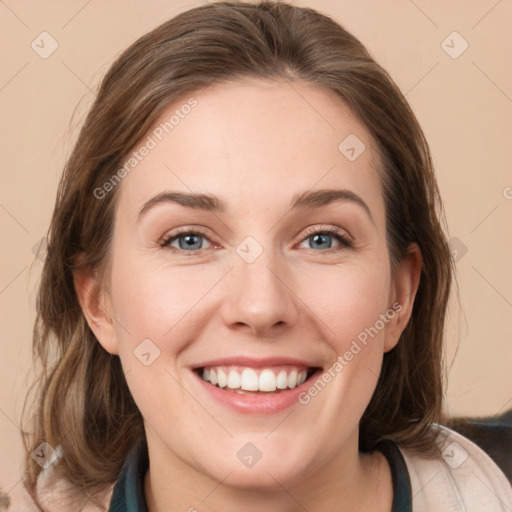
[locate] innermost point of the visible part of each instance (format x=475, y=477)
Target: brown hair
x=83, y=402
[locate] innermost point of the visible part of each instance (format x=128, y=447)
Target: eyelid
x=166, y=240
x=346, y=240
x=341, y=235
x=326, y=229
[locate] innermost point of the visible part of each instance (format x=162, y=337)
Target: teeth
x=233, y=380
x=292, y=379
x=222, y=378
x=249, y=379
x=267, y=381
x=281, y=381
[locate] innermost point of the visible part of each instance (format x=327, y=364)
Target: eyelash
x=334, y=232
x=345, y=241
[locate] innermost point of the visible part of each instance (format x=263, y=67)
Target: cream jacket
x=463, y=478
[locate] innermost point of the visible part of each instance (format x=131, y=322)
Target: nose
x=259, y=297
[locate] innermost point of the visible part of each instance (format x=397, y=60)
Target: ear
x=96, y=305
x=404, y=285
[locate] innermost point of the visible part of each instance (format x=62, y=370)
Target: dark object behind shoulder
x=493, y=434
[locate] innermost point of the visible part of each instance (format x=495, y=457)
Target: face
x=278, y=284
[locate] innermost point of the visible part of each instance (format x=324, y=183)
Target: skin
x=255, y=144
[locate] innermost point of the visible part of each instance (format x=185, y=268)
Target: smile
x=254, y=386
x=250, y=380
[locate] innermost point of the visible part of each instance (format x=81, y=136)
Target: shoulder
x=460, y=477
x=56, y=494
x=492, y=434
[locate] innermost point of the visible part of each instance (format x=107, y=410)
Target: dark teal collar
x=402, y=490
x=128, y=494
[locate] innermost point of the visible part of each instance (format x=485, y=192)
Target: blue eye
x=190, y=241
x=322, y=236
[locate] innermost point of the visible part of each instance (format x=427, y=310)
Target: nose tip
x=257, y=297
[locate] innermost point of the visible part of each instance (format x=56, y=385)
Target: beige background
x=464, y=105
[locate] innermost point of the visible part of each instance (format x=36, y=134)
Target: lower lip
x=267, y=403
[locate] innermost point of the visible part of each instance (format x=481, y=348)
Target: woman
x=200, y=348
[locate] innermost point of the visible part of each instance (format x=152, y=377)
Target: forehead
x=253, y=142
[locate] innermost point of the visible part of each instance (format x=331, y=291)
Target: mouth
x=254, y=386
x=245, y=380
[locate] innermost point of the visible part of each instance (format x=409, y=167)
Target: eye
x=189, y=241
x=321, y=238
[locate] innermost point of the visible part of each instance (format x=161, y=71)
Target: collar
x=128, y=494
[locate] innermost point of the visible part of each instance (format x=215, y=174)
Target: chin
x=268, y=478
x=268, y=471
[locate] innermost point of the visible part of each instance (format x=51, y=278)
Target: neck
x=349, y=480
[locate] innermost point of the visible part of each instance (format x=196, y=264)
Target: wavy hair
x=82, y=401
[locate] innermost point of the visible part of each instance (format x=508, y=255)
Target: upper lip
x=255, y=362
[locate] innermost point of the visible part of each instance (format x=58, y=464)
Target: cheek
x=348, y=300
x=150, y=305
x=151, y=302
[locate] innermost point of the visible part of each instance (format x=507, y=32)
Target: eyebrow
x=208, y=202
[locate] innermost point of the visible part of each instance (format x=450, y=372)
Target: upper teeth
x=250, y=379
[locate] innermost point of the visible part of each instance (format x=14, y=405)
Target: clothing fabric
x=492, y=434
x=460, y=478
